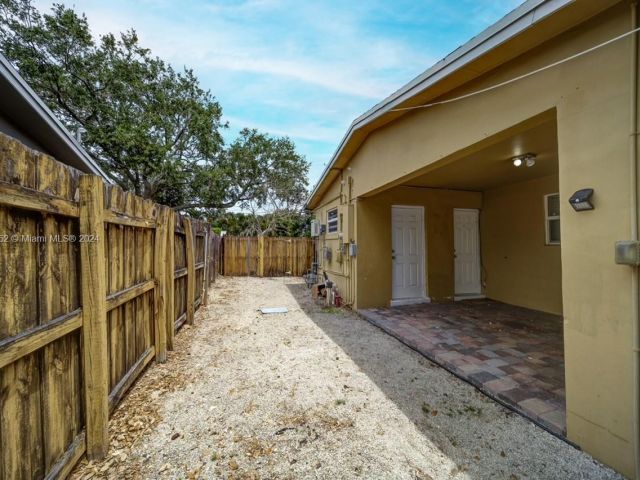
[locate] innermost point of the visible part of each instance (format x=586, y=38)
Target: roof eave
x=507, y=28
x=49, y=126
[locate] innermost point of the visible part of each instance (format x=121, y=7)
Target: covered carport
x=422, y=156
x=491, y=312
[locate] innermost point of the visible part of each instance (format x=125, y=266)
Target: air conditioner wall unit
x=315, y=228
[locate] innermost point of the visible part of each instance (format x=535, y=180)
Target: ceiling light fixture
x=528, y=159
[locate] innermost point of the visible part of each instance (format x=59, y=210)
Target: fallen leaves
x=139, y=413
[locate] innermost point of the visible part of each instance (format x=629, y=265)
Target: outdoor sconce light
x=581, y=200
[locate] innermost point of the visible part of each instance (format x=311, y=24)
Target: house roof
x=528, y=25
x=27, y=112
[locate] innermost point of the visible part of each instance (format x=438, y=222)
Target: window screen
x=332, y=220
x=552, y=217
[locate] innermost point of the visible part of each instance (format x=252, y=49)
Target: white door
x=407, y=254
x=466, y=241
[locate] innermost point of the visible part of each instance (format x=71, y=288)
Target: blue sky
x=297, y=68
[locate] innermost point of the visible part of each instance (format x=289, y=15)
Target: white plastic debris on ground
x=266, y=311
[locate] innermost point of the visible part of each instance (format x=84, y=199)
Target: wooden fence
x=266, y=256
x=94, y=284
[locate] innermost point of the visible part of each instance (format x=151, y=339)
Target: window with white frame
x=552, y=218
x=332, y=220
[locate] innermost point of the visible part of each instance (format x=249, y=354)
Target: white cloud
x=310, y=131
x=345, y=60
x=302, y=69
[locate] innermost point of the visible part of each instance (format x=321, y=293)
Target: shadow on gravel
x=466, y=426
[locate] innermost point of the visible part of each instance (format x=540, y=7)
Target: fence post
x=261, y=256
x=205, y=274
x=171, y=283
x=94, y=316
x=223, y=254
x=160, y=274
x=188, y=231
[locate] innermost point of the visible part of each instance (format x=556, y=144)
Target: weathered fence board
x=215, y=253
x=188, y=231
x=94, y=311
x=240, y=255
x=39, y=342
x=267, y=256
x=92, y=291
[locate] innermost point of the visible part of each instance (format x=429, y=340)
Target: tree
x=247, y=224
x=275, y=202
x=156, y=131
x=256, y=172
x=268, y=178
x=147, y=124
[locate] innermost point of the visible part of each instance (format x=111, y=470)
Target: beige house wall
x=518, y=267
x=340, y=267
x=374, y=241
x=591, y=97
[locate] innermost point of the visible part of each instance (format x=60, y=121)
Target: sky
x=302, y=69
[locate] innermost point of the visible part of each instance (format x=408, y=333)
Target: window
x=552, y=218
x=332, y=220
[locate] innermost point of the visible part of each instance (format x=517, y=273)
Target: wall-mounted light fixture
x=528, y=159
x=581, y=200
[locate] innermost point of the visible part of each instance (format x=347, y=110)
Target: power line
x=520, y=77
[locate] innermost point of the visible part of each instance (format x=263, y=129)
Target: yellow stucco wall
x=340, y=266
x=519, y=268
x=374, y=240
x=591, y=97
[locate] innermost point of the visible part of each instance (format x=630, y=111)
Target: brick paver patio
x=513, y=354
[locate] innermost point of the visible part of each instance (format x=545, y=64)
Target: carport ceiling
x=492, y=166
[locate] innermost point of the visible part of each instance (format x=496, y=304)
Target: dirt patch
x=316, y=393
x=140, y=412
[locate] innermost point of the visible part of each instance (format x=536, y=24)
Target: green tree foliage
x=152, y=128
x=257, y=172
x=272, y=225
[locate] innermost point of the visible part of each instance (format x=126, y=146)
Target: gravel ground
x=315, y=393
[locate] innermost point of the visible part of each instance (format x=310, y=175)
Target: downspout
x=635, y=222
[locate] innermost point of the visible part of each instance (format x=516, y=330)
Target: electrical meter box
x=628, y=253
x=346, y=222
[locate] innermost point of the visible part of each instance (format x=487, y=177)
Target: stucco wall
x=341, y=266
x=519, y=268
x=591, y=97
x=374, y=240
